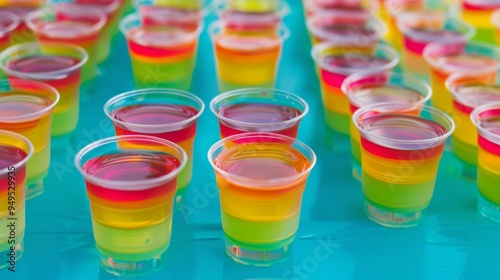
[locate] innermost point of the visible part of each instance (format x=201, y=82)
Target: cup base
x=392, y=219
x=256, y=258
x=9, y=260
x=132, y=268
x=489, y=210
x=34, y=190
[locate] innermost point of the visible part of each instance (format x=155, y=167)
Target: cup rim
x=136, y=17
x=453, y=88
x=470, y=31
x=29, y=153
x=108, y=8
x=35, y=47
x=393, y=11
x=318, y=48
x=204, y=11
x=277, y=183
x=483, y=3
x=404, y=77
x=408, y=107
x=380, y=27
x=129, y=185
x=41, y=112
x=282, y=93
x=16, y=20
x=474, y=118
x=215, y=28
x=220, y=6
x=82, y=9
x=162, y=91
x=426, y=53
x=310, y=6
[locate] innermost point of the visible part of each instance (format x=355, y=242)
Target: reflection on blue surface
x=335, y=240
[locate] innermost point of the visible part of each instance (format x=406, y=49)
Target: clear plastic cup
x=393, y=8
x=419, y=28
x=468, y=91
x=347, y=28
x=377, y=87
x=22, y=34
x=112, y=10
x=259, y=110
x=131, y=184
x=72, y=24
x=162, y=54
x=478, y=13
x=58, y=65
x=261, y=178
x=165, y=113
x=26, y=107
x=15, y=151
x=447, y=57
x=336, y=61
x=485, y=118
x=247, y=58
x=401, y=147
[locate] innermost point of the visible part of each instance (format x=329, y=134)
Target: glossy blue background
x=335, y=240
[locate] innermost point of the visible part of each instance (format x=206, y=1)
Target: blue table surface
x=334, y=241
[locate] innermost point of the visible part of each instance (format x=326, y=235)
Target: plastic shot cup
x=261, y=178
x=486, y=120
x=401, y=146
x=112, y=10
x=478, y=13
x=131, y=190
x=8, y=23
x=26, y=108
x=22, y=34
x=419, y=28
x=72, y=24
x=336, y=61
x=452, y=56
x=247, y=58
x=162, y=54
x=393, y=8
x=15, y=151
x=259, y=110
x=369, y=88
x=468, y=91
x=164, y=113
x=344, y=27
x=57, y=65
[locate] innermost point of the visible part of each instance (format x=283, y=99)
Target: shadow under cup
x=165, y=113
x=131, y=189
x=58, y=65
x=261, y=181
x=401, y=147
x=26, y=108
x=15, y=151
